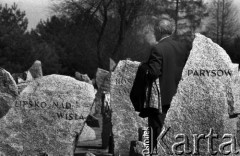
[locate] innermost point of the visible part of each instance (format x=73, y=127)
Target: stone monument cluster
x=49, y=115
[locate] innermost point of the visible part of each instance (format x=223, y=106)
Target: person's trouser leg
x=155, y=122
x=155, y=126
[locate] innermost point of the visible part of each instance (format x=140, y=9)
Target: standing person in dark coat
x=166, y=61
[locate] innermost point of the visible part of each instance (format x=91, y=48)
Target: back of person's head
x=164, y=26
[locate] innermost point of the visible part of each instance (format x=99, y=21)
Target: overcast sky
x=35, y=9
x=39, y=9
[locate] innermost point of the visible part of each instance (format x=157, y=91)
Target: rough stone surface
x=202, y=103
x=236, y=92
x=112, y=64
x=100, y=75
x=22, y=86
x=46, y=117
x=87, y=134
x=36, y=69
x=29, y=76
x=82, y=77
x=8, y=92
x=124, y=118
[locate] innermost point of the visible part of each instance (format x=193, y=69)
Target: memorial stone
x=36, y=69
x=112, y=64
x=236, y=92
x=46, y=117
x=8, y=92
x=22, y=86
x=82, y=77
x=199, y=120
x=29, y=76
x=87, y=134
x=125, y=120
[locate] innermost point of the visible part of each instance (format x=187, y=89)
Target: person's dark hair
x=164, y=26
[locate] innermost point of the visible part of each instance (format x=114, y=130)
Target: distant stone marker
x=125, y=120
x=46, y=117
x=87, y=134
x=112, y=64
x=100, y=75
x=8, y=92
x=82, y=77
x=29, y=76
x=236, y=93
x=36, y=69
x=198, y=121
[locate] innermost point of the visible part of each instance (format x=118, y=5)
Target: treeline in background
x=81, y=35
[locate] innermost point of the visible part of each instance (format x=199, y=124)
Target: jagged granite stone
x=236, y=95
x=8, y=92
x=87, y=134
x=46, y=117
x=112, y=64
x=22, y=86
x=36, y=69
x=236, y=92
x=125, y=120
x=29, y=76
x=202, y=106
x=100, y=75
x=82, y=77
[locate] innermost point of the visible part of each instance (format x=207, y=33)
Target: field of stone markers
x=57, y=115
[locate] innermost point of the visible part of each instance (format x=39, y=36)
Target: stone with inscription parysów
x=201, y=119
x=125, y=119
x=46, y=117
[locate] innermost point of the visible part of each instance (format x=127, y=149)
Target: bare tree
x=223, y=22
x=119, y=14
x=187, y=14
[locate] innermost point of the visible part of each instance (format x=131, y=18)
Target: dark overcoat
x=166, y=61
